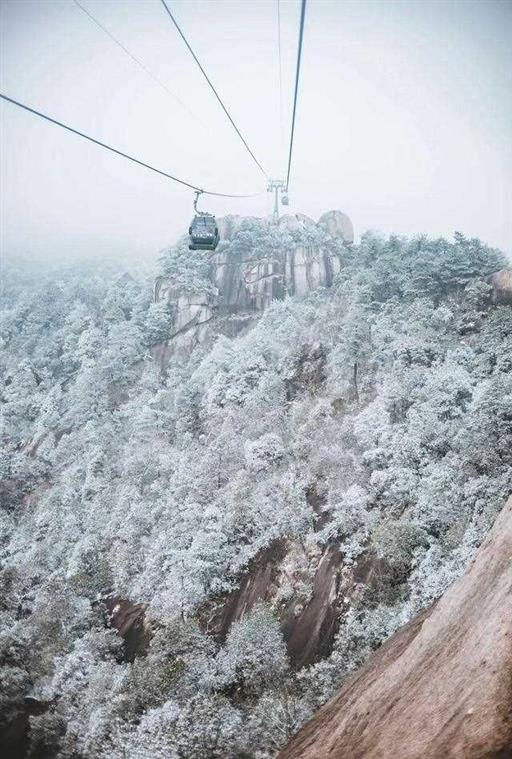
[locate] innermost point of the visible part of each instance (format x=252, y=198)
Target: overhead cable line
x=136, y=60
x=213, y=88
x=297, y=74
x=280, y=71
x=123, y=155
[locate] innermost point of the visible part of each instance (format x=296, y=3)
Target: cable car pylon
x=277, y=186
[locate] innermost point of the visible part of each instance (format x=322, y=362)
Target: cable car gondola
x=203, y=230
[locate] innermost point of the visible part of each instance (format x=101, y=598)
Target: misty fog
x=404, y=119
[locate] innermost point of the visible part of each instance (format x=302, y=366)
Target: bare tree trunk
x=356, y=389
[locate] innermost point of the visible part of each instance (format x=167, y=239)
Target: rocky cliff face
x=303, y=587
x=439, y=687
x=256, y=263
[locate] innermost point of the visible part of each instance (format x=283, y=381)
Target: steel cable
x=120, y=152
x=297, y=75
x=213, y=88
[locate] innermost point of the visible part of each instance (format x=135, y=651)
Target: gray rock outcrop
x=337, y=224
x=256, y=263
x=501, y=283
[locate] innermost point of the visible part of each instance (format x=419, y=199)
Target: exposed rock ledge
x=129, y=621
x=248, y=278
x=439, y=688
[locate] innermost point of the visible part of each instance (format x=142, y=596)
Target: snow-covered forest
x=366, y=425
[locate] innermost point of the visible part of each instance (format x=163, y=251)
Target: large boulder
x=337, y=224
x=501, y=283
x=441, y=686
x=296, y=222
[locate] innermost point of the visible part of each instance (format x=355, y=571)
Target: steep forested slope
x=440, y=686
x=356, y=437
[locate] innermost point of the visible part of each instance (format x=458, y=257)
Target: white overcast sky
x=404, y=117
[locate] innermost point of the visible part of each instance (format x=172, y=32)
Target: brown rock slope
x=439, y=687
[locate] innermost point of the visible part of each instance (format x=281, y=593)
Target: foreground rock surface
x=439, y=687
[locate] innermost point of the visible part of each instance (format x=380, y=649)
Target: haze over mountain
x=404, y=118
